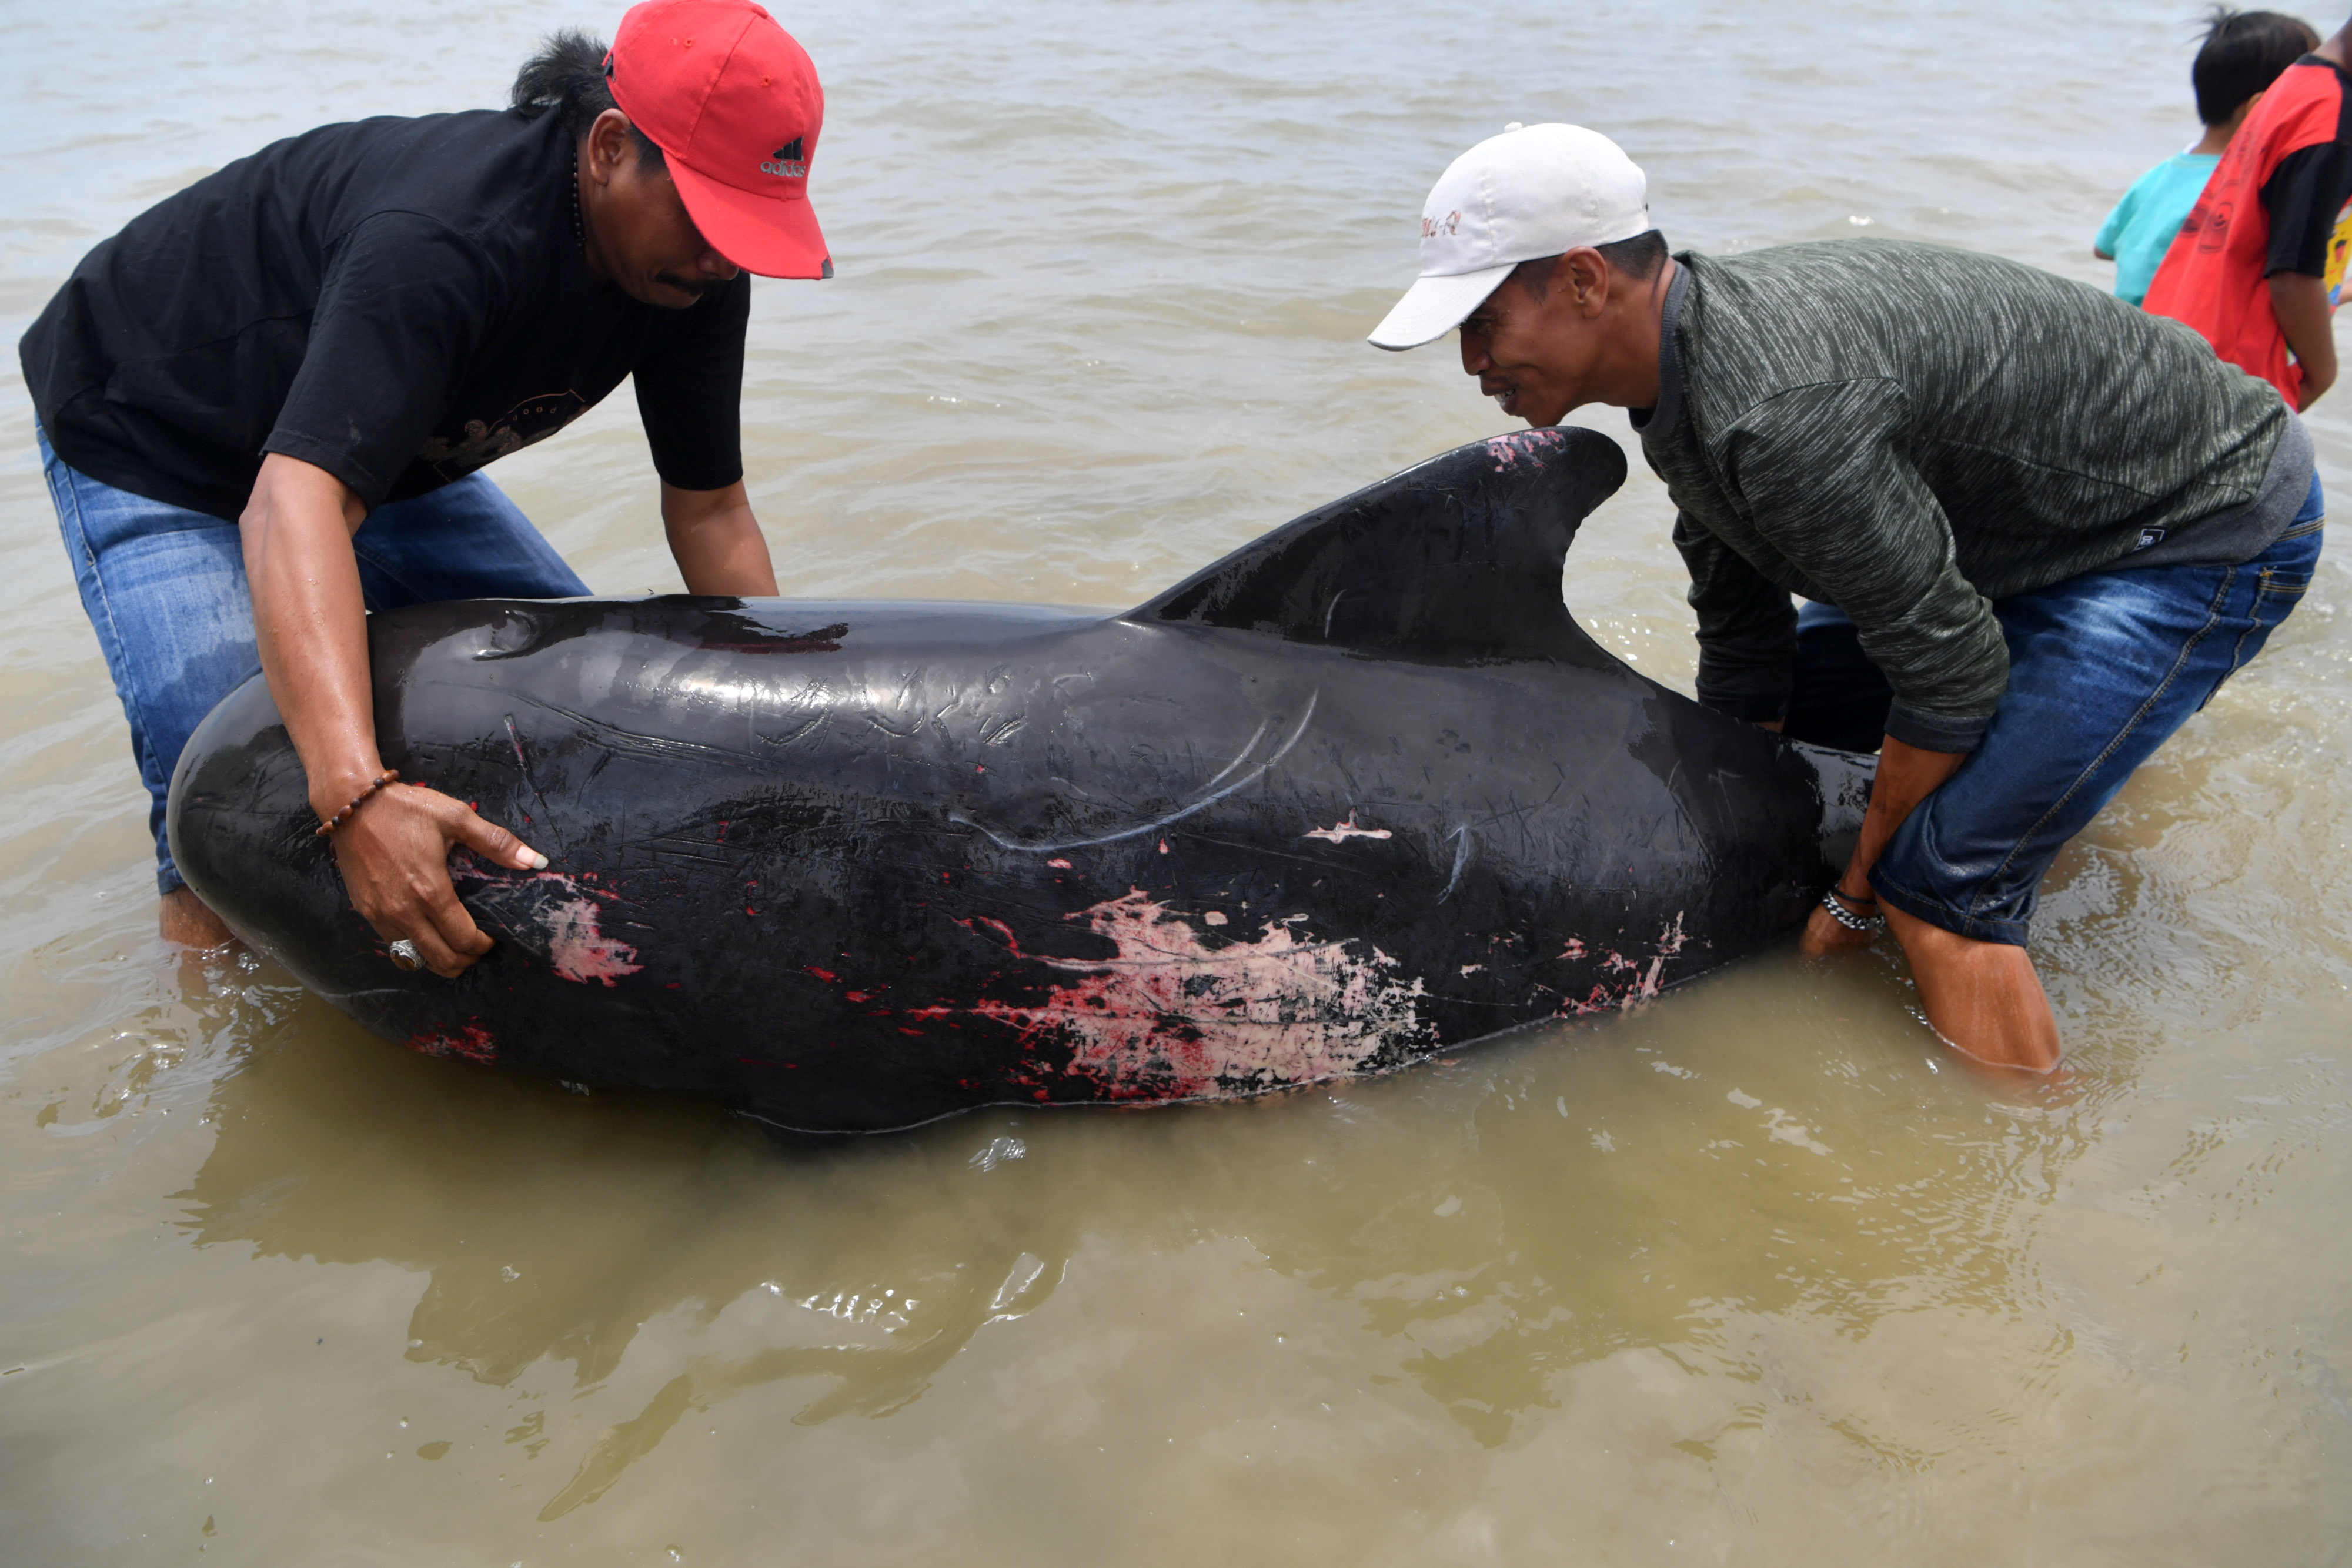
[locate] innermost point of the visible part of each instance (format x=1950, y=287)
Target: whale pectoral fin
x=1457, y=557
x=1844, y=778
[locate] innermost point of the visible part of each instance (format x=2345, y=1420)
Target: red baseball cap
x=734, y=105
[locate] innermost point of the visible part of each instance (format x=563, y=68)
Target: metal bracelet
x=1846, y=917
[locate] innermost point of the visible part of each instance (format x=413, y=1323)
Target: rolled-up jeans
x=2103, y=668
x=164, y=588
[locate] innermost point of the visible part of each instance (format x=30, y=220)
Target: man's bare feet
x=183, y=919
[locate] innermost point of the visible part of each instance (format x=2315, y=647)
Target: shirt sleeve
x=1824, y=479
x=2305, y=195
x=1747, y=628
x=690, y=392
x=403, y=306
x=2112, y=230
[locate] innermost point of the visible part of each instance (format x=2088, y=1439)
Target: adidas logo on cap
x=788, y=162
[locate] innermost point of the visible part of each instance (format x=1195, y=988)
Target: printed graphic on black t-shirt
x=397, y=301
x=455, y=453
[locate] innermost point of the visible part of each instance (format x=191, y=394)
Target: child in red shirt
x=2257, y=266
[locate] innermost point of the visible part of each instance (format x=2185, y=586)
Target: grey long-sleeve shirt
x=1909, y=432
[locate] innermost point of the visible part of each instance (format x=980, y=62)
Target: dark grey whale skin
x=1359, y=792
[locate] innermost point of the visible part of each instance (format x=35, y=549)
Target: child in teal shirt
x=2243, y=54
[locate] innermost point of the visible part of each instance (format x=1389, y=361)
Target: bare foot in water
x=182, y=918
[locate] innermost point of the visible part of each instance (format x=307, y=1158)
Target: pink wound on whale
x=579, y=951
x=473, y=1042
x=1171, y=1018
x=1631, y=994
x=576, y=948
x=1506, y=450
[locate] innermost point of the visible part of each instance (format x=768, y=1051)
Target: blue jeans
x=2101, y=668
x=164, y=588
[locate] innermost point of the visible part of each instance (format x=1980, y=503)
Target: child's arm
x=2112, y=231
x=2307, y=195
x=2300, y=301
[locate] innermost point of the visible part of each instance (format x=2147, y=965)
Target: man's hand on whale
x=393, y=841
x=1866, y=423
x=1906, y=775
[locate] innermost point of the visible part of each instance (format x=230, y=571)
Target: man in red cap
x=265, y=404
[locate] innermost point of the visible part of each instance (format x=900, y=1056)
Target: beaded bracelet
x=326, y=829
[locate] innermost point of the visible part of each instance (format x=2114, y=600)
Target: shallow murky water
x=1758, y=1276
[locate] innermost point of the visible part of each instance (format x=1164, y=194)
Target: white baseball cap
x=1533, y=191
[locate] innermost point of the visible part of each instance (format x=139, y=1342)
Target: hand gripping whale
x=1359, y=792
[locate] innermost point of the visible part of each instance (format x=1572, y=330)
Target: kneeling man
x=2039, y=526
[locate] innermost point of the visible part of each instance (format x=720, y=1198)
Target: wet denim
x=2101, y=668
x=164, y=588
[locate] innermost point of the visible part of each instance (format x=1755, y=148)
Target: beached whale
x=1357, y=793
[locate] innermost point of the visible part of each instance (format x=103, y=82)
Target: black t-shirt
x=397, y=301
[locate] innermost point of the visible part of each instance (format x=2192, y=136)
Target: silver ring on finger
x=405, y=955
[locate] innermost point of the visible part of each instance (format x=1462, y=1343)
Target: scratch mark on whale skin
x=1171, y=1018
x=1240, y=757
x=1342, y=832
x=1461, y=837
x=1203, y=804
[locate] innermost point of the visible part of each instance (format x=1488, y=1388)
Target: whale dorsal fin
x=1457, y=557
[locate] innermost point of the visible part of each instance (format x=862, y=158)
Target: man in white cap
x=2036, y=528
